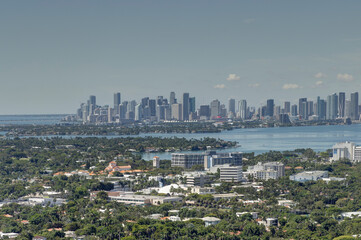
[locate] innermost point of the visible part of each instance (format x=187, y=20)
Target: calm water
x=258, y=140
x=31, y=119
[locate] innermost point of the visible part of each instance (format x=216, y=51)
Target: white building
x=309, y=176
x=231, y=173
x=265, y=171
x=357, y=154
x=208, y=221
x=350, y=214
x=156, y=162
x=344, y=150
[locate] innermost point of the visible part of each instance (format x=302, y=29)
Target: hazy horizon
x=54, y=54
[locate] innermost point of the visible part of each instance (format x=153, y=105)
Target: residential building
x=343, y=150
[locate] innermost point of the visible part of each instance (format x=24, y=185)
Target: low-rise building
x=136, y=199
x=208, y=221
x=309, y=176
x=197, y=179
x=203, y=190
x=350, y=215
x=253, y=214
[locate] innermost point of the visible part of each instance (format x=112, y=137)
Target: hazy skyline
x=54, y=54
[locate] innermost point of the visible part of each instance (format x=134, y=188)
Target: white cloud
x=254, y=85
x=233, y=77
x=290, y=86
x=320, y=75
x=319, y=83
x=220, y=86
x=249, y=20
x=345, y=77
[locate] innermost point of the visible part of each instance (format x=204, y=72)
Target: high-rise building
x=354, y=106
x=301, y=111
x=152, y=107
x=232, y=105
x=204, y=111
x=92, y=103
x=160, y=112
x=321, y=109
x=310, y=111
x=332, y=107
x=341, y=104
x=294, y=110
x=177, y=111
x=242, y=109
x=270, y=106
x=287, y=107
x=116, y=102
x=185, y=106
x=160, y=100
x=172, y=99
x=192, y=104
x=348, y=109
x=145, y=102
x=215, y=108
x=138, y=112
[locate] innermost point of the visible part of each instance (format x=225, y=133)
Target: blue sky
x=54, y=54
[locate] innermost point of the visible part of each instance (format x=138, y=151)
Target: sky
x=54, y=54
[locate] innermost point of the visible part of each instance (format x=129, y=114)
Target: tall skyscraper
x=294, y=110
x=172, y=99
x=185, y=106
x=354, y=106
x=321, y=109
x=215, y=108
x=287, y=107
x=301, y=111
x=310, y=111
x=270, y=106
x=232, y=105
x=341, y=104
x=204, y=111
x=177, y=111
x=116, y=102
x=332, y=107
x=145, y=102
x=304, y=112
x=152, y=107
x=192, y=104
x=242, y=109
x=160, y=100
x=138, y=112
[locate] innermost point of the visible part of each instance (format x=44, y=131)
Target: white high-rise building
x=242, y=109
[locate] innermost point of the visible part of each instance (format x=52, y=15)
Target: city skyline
x=55, y=53
x=334, y=106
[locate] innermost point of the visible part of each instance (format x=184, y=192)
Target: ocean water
x=31, y=119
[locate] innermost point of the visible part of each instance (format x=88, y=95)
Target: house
x=39, y=238
x=253, y=214
x=208, y=221
x=350, y=215
x=8, y=235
